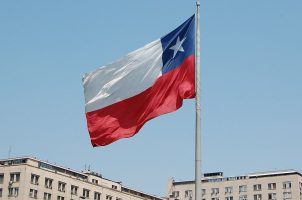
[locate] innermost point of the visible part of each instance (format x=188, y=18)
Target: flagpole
x=198, y=109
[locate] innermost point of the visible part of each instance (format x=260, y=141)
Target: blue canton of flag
x=178, y=45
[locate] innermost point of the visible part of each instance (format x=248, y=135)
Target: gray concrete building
x=276, y=185
x=29, y=178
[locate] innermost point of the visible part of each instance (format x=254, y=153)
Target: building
x=277, y=185
x=28, y=178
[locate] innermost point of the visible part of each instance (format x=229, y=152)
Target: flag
x=154, y=80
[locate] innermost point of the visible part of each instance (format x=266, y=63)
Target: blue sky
x=251, y=86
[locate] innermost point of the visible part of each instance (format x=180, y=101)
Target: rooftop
x=207, y=178
x=79, y=175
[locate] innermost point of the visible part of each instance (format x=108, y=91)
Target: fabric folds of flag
x=122, y=96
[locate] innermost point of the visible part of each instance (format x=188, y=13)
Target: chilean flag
x=122, y=96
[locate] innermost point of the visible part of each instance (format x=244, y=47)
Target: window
x=60, y=198
x=114, y=187
x=300, y=186
x=257, y=197
x=48, y=183
x=118, y=198
x=13, y=191
x=85, y=193
x=74, y=190
x=97, y=196
x=214, y=191
x=287, y=185
x=203, y=192
x=257, y=187
x=175, y=194
x=33, y=193
x=242, y=188
x=47, y=196
x=243, y=197
x=271, y=186
x=15, y=177
x=61, y=186
x=229, y=198
x=94, y=181
x=272, y=196
x=287, y=195
x=228, y=190
x=1, y=190
x=34, y=179
x=1, y=178
x=189, y=194
x=215, y=198
x=108, y=197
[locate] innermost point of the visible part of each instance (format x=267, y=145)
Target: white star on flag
x=178, y=46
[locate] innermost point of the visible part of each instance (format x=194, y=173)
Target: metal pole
x=198, y=108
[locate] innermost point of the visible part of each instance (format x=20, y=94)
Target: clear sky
x=251, y=86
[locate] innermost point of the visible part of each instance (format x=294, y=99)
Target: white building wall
x=68, y=176
x=221, y=183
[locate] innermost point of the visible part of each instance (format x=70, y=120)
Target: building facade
x=28, y=178
x=277, y=185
